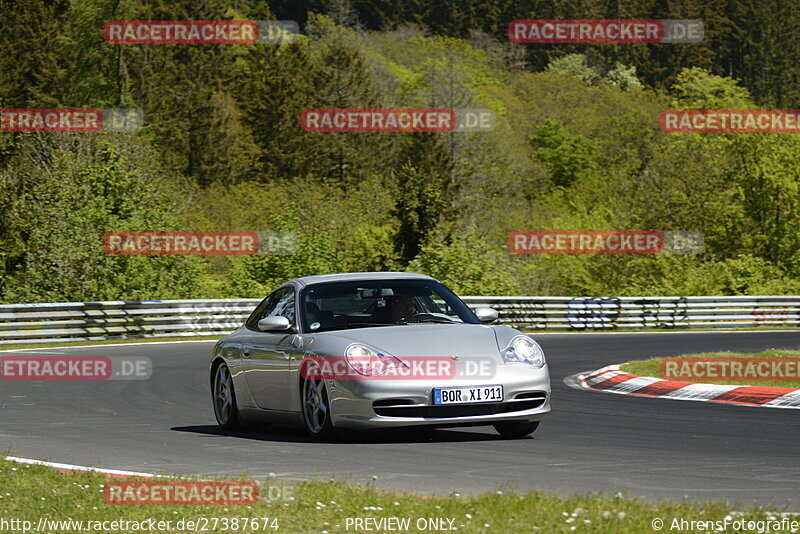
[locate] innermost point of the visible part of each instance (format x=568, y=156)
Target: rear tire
x=224, y=397
x=316, y=406
x=516, y=429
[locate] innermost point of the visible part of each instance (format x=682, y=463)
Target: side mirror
x=274, y=324
x=486, y=315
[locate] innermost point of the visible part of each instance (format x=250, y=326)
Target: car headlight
x=523, y=349
x=368, y=362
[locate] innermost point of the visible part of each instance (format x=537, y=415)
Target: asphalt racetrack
x=591, y=441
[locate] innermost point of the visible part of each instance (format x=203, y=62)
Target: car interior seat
x=315, y=315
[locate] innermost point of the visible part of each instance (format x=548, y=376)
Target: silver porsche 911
x=368, y=350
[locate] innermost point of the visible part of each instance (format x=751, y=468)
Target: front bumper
x=381, y=403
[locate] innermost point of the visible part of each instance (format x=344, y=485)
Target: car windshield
x=368, y=303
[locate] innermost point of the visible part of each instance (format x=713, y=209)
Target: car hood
x=467, y=341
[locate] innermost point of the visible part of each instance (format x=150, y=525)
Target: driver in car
x=395, y=309
x=401, y=307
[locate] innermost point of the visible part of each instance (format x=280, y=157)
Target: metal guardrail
x=86, y=321
x=581, y=313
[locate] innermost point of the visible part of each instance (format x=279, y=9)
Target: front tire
x=516, y=429
x=317, y=409
x=225, y=408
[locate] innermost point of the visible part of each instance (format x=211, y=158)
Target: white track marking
x=790, y=400
x=70, y=467
x=602, y=377
x=692, y=392
x=634, y=384
x=699, y=392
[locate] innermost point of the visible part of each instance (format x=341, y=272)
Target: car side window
x=284, y=306
x=257, y=313
x=280, y=302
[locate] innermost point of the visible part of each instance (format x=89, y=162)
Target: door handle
x=246, y=353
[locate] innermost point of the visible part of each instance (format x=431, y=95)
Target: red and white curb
x=611, y=380
x=69, y=468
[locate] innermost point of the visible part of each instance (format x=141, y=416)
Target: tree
x=568, y=157
x=466, y=263
x=182, y=91
x=342, y=78
x=623, y=76
x=698, y=88
x=573, y=65
x=59, y=198
x=418, y=209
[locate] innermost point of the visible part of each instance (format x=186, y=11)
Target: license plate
x=468, y=395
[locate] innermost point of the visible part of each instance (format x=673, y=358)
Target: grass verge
x=29, y=492
x=652, y=367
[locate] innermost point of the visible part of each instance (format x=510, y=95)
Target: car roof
x=354, y=277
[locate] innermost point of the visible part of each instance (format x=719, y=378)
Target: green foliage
x=30, y=50
x=255, y=276
x=623, y=76
x=420, y=201
x=744, y=275
x=567, y=157
x=372, y=248
x=467, y=263
x=756, y=42
x=697, y=88
x=767, y=182
x=682, y=275
x=60, y=199
x=336, y=232
x=573, y=65
x=222, y=149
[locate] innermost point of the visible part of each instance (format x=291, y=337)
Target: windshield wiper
x=432, y=320
x=366, y=325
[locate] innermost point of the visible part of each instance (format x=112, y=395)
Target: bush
x=467, y=264
x=59, y=200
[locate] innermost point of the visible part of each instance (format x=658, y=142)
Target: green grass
x=30, y=492
x=652, y=367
